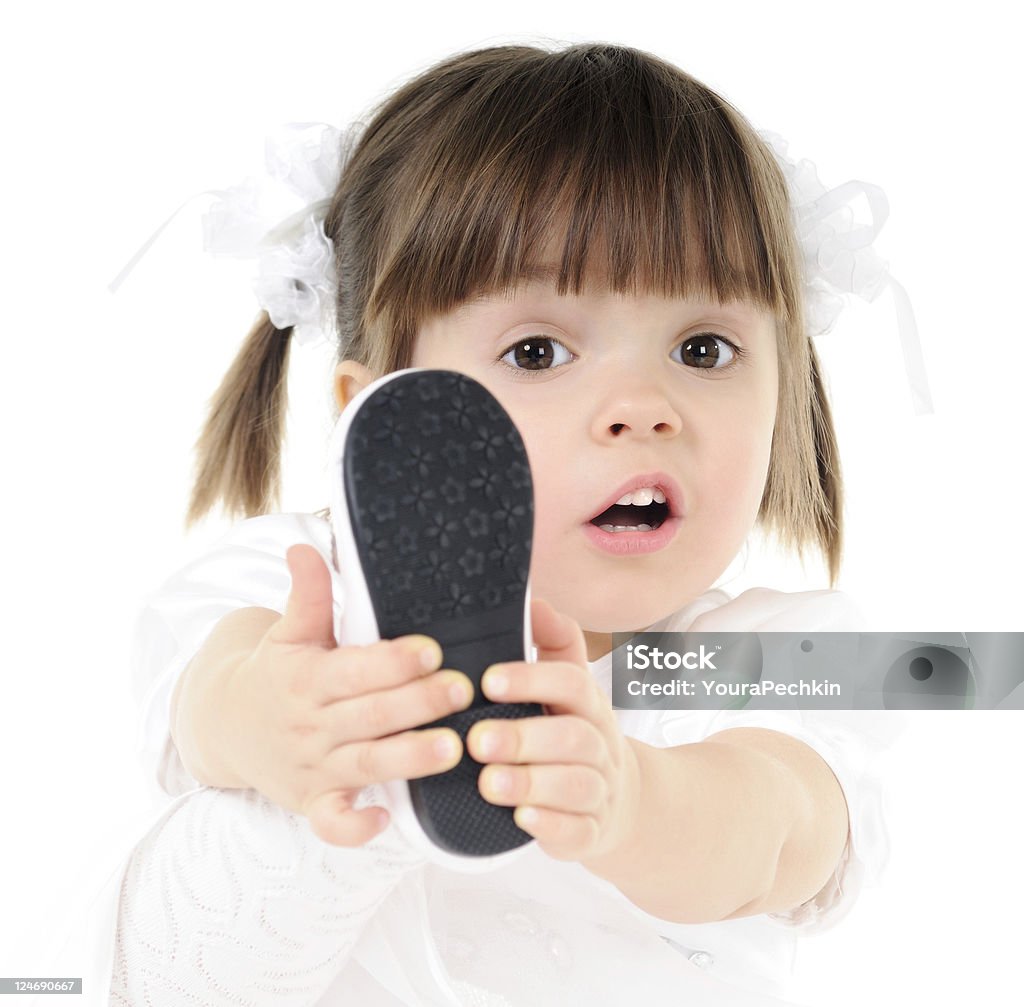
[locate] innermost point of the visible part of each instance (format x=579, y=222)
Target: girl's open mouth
x=642, y=517
x=637, y=515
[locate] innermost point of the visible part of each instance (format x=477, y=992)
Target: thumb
x=309, y=614
x=556, y=637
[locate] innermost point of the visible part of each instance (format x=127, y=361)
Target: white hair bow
x=278, y=220
x=838, y=257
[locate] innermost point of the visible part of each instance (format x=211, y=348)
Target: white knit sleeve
x=233, y=900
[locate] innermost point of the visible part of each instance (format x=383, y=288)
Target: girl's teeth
x=626, y=527
x=641, y=497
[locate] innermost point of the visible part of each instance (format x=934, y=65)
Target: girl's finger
x=407, y=756
x=332, y=818
x=561, y=836
x=569, y=789
x=354, y=671
x=309, y=613
x=538, y=740
x=556, y=636
x=390, y=711
x=562, y=687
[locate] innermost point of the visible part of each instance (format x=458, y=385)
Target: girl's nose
x=640, y=413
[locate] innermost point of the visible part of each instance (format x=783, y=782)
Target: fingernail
x=495, y=683
x=488, y=742
x=526, y=816
x=460, y=689
x=446, y=745
x=500, y=783
x=428, y=651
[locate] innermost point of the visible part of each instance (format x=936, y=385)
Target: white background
x=116, y=113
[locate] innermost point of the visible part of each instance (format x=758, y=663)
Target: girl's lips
x=633, y=543
x=636, y=543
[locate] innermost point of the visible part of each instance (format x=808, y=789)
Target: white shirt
x=377, y=925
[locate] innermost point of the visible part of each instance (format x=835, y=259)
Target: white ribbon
x=839, y=259
x=279, y=220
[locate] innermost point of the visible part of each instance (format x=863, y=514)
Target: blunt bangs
x=591, y=167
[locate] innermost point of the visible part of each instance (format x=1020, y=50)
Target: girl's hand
x=308, y=723
x=572, y=776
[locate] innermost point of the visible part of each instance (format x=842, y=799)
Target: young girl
x=608, y=247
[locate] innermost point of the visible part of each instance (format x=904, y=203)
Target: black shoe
x=432, y=510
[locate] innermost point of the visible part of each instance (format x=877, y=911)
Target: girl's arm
x=747, y=821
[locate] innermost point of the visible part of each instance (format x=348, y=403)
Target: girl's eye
x=536, y=353
x=707, y=351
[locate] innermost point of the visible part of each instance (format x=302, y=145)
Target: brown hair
x=648, y=179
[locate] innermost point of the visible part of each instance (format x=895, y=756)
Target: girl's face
x=614, y=393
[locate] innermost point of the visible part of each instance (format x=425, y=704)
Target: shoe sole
x=439, y=503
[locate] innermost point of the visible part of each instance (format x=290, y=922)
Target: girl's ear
x=350, y=378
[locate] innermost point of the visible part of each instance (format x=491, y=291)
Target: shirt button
x=702, y=959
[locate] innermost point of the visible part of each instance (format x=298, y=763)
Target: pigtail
x=238, y=454
x=803, y=498
x=830, y=478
